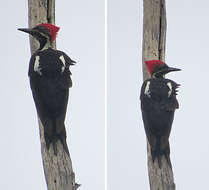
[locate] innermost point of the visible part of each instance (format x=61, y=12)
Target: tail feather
x=54, y=131
x=64, y=143
x=161, y=148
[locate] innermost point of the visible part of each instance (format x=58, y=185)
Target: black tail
x=161, y=148
x=53, y=133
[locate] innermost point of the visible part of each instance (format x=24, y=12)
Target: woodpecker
x=158, y=104
x=50, y=80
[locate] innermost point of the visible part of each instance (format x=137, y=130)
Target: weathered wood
x=58, y=169
x=154, y=38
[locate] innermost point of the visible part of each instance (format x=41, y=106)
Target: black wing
x=50, y=81
x=158, y=105
x=50, y=92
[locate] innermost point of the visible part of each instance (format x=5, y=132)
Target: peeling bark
x=58, y=169
x=154, y=38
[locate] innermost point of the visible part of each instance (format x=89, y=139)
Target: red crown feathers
x=52, y=29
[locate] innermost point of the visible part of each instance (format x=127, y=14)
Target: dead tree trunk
x=58, y=169
x=154, y=38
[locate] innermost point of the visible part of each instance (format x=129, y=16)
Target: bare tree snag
x=58, y=169
x=154, y=38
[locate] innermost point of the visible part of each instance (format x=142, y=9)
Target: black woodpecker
x=50, y=82
x=158, y=104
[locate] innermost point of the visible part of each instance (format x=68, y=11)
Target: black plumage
x=50, y=92
x=158, y=104
x=50, y=80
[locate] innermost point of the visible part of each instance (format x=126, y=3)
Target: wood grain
x=154, y=41
x=58, y=169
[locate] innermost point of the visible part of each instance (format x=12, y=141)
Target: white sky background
x=82, y=37
x=187, y=48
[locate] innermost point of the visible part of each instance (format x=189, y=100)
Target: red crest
x=152, y=64
x=52, y=29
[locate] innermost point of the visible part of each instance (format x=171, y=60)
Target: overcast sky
x=187, y=48
x=82, y=37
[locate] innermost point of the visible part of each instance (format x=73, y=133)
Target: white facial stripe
x=170, y=88
x=47, y=45
x=36, y=65
x=63, y=62
x=147, y=91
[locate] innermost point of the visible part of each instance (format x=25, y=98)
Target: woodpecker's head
x=158, y=69
x=45, y=33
